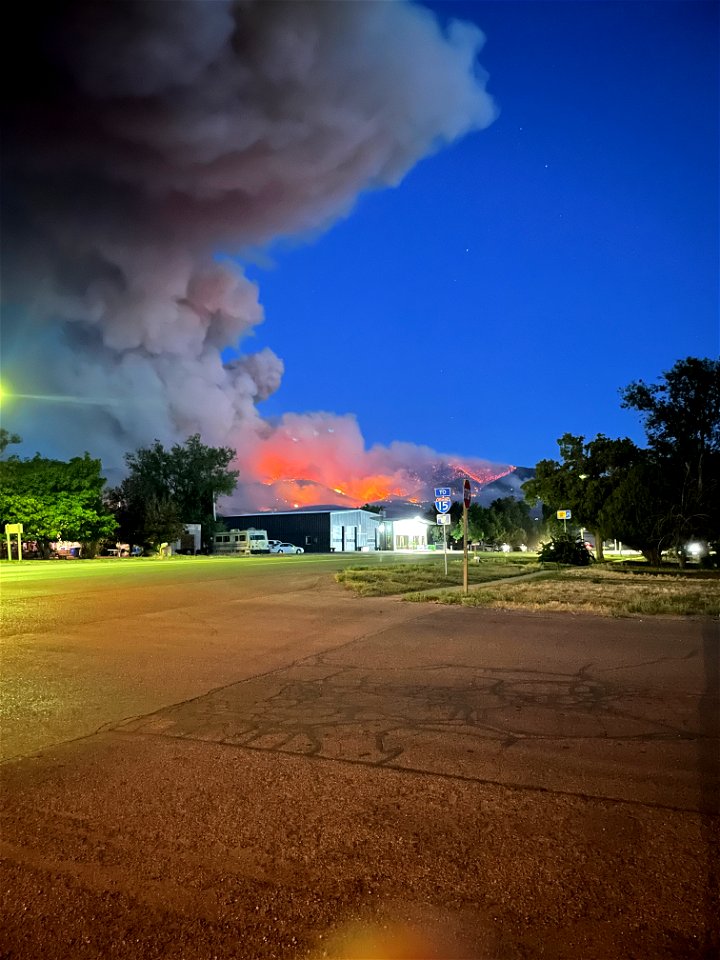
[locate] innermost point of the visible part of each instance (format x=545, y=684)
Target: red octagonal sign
x=466, y=493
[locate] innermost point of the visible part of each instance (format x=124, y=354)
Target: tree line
x=164, y=490
x=653, y=498
x=505, y=521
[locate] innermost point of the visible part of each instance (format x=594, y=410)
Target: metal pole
x=445, y=526
x=465, y=547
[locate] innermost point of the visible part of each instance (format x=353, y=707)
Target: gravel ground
x=151, y=847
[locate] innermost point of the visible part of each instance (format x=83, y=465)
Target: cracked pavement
x=249, y=762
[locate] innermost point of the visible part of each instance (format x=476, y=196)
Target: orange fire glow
x=487, y=477
x=311, y=459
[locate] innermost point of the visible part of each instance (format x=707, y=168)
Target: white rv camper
x=244, y=542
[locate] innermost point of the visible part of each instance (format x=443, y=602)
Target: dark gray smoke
x=143, y=139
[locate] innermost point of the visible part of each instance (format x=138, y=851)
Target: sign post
x=17, y=530
x=466, y=503
x=443, y=520
x=564, y=515
x=442, y=504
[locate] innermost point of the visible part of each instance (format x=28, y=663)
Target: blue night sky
x=498, y=296
x=501, y=295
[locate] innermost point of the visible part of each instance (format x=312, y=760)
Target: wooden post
x=465, y=547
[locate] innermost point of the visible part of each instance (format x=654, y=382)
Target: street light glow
x=60, y=398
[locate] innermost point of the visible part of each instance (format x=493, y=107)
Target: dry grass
x=601, y=591
x=401, y=578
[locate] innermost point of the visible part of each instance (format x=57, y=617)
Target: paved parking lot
x=252, y=763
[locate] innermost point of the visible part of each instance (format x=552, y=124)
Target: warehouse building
x=319, y=531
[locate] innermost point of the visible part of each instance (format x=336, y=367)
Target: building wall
x=311, y=531
x=354, y=530
x=321, y=531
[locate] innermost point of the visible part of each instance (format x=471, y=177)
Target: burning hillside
x=314, y=459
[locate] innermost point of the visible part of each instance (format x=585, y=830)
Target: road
x=239, y=759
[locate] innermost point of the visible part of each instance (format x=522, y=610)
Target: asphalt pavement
x=254, y=763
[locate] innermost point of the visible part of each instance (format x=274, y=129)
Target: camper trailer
x=244, y=542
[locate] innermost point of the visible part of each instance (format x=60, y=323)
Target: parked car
x=274, y=543
x=286, y=548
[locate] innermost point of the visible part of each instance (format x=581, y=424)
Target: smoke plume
x=147, y=147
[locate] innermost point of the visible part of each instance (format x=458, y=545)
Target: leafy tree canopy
x=191, y=474
x=506, y=520
x=681, y=413
x=640, y=509
x=681, y=416
x=650, y=498
x=6, y=438
x=54, y=499
x=166, y=489
x=583, y=481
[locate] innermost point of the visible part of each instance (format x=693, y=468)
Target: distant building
x=317, y=531
x=338, y=531
x=191, y=540
x=409, y=533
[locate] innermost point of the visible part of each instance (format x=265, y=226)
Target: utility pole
x=466, y=504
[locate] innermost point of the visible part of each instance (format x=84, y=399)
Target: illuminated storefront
x=410, y=534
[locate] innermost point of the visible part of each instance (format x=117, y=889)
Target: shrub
x=565, y=550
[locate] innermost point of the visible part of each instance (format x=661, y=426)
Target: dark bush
x=565, y=550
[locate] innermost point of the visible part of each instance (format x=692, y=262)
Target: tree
x=653, y=498
x=143, y=520
x=482, y=527
x=166, y=489
x=6, y=438
x=681, y=414
x=161, y=522
x=511, y=521
x=55, y=500
x=506, y=520
x=438, y=533
x=639, y=509
x=681, y=417
x=582, y=483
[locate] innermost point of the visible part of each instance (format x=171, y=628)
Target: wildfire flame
x=308, y=487
x=320, y=459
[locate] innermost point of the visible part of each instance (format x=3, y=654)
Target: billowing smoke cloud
x=143, y=140
x=322, y=458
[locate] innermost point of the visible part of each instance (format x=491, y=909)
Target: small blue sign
x=442, y=504
x=442, y=492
